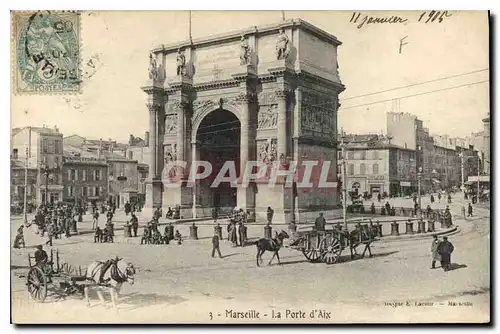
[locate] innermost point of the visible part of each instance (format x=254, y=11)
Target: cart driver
x=41, y=257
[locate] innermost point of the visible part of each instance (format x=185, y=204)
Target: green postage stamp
x=46, y=52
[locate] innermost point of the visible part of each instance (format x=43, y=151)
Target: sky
x=113, y=106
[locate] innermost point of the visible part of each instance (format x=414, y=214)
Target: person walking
x=432, y=198
x=445, y=249
x=215, y=245
x=469, y=210
x=19, y=241
x=95, y=220
x=50, y=234
x=270, y=214
x=439, y=197
x=434, y=251
x=135, y=224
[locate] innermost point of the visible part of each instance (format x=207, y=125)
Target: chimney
x=99, y=150
x=56, y=129
x=146, y=138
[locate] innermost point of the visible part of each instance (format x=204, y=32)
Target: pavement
x=183, y=283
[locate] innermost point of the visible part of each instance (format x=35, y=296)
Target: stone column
x=281, y=96
x=153, y=142
x=194, y=190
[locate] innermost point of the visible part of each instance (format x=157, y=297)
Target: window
x=28, y=191
x=375, y=155
x=350, y=155
x=362, y=169
x=84, y=175
x=375, y=168
x=44, y=145
x=70, y=191
x=96, y=191
x=97, y=175
x=69, y=174
x=14, y=154
x=72, y=175
x=350, y=168
x=363, y=155
x=84, y=191
x=101, y=192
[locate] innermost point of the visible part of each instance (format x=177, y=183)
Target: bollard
x=394, y=228
x=409, y=227
x=421, y=226
x=218, y=231
x=73, y=226
x=268, y=230
x=193, y=232
x=431, y=227
x=127, y=231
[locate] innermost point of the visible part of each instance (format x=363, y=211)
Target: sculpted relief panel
x=318, y=115
x=267, y=117
x=170, y=124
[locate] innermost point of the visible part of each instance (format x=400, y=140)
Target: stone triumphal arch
x=267, y=94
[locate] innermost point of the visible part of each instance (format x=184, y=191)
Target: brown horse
x=272, y=245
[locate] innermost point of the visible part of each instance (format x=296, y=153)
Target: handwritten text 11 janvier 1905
x=426, y=17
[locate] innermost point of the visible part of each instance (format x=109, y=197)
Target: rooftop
x=235, y=35
x=41, y=130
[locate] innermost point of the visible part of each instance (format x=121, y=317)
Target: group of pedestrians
x=441, y=251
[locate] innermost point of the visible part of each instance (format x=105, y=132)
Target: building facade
x=45, y=153
x=375, y=166
x=17, y=183
x=85, y=179
x=266, y=93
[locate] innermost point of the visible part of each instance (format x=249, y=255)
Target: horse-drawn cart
x=327, y=246
x=59, y=279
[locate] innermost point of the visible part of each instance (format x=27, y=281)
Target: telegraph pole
x=25, y=212
x=344, y=181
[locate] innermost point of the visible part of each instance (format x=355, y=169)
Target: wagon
x=54, y=277
x=327, y=246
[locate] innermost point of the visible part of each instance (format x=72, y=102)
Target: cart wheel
x=37, y=284
x=331, y=248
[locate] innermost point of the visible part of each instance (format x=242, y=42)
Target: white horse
x=117, y=273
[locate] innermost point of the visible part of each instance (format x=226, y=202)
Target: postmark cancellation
x=46, y=52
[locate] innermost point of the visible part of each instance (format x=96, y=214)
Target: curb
x=416, y=236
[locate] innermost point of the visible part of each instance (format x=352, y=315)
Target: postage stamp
x=46, y=52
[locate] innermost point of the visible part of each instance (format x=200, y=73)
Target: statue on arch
x=282, y=46
x=153, y=68
x=245, y=51
x=181, y=62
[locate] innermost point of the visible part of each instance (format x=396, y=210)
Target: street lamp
x=344, y=181
x=25, y=213
x=419, y=177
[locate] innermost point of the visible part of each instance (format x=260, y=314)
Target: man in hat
x=320, y=222
x=445, y=249
x=434, y=251
x=215, y=245
x=41, y=257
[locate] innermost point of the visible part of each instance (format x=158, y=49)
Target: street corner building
x=267, y=94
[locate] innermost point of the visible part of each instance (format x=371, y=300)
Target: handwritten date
x=424, y=17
